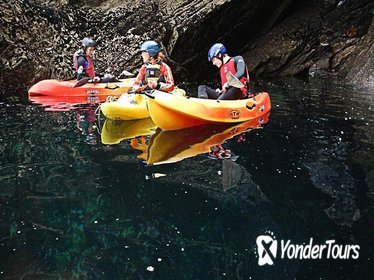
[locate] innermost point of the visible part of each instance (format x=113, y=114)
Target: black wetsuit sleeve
x=240, y=66
x=81, y=72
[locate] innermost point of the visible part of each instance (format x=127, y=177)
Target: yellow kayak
x=130, y=106
x=172, y=112
x=173, y=146
x=114, y=131
x=126, y=107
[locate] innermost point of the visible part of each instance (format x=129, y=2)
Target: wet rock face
x=277, y=38
x=315, y=38
x=35, y=42
x=360, y=70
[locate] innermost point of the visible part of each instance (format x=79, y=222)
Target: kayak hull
x=54, y=87
x=131, y=106
x=171, y=112
x=127, y=107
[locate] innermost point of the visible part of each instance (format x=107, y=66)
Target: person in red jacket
x=217, y=54
x=153, y=67
x=84, y=66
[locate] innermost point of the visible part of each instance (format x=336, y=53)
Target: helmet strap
x=220, y=57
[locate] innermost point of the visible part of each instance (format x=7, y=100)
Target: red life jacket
x=229, y=66
x=88, y=66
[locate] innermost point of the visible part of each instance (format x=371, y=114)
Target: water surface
x=73, y=207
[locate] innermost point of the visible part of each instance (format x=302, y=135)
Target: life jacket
x=229, y=66
x=153, y=71
x=88, y=65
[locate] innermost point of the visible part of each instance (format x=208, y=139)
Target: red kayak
x=69, y=88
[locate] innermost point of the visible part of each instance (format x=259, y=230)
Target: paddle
x=82, y=82
x=233, y=81
x=88, y=80
x=125, y=73
x=139, y=90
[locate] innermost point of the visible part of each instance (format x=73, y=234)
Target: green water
x=72, y=207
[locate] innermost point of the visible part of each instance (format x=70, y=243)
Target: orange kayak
x=172, y=112
x=66, y=88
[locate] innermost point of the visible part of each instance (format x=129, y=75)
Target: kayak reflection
x=114, y=131
x=176, y=145
x=84, y=108
x=65, y=103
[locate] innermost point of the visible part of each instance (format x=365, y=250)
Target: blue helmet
x=215, y=50
x=88, y=42
x=151, y=47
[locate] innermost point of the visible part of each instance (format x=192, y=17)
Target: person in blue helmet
x=84, y=66
x=217, y=54
x=153, y=67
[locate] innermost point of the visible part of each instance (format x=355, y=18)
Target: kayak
x=171, y=112
x=65, y=103
x=176, y=145
x=126, y=107
x=66, y=88
x=131, y=106
x=114, y=131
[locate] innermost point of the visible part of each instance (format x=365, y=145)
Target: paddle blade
x=81, y=82
x=125, y=73
x=233, y=81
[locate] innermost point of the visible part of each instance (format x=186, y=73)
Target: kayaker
x=153, y=67
x=84, y=66
x=217, y=54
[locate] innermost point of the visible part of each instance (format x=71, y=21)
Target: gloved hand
x=96, y=80
x=224, y=88
x=152, y=84
x=135, y=88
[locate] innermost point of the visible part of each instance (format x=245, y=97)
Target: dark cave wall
x=277, y=38
x=235, y=24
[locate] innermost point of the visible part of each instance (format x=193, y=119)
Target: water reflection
x=65, y=102
x=86, y=123
x=173, y=146
x=165, y=147
x=115, y=131
x=84, y=108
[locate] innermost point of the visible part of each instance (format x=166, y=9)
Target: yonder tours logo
x=266, y=249
x=268, y=246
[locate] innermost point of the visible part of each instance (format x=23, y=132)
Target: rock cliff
x=276, y=37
